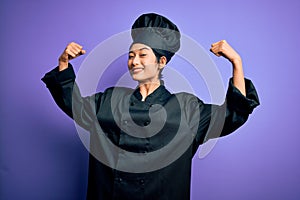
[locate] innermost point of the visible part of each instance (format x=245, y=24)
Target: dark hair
x=158, y=55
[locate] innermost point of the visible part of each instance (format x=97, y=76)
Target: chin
x=135, y=78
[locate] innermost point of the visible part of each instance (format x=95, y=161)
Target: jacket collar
x=159, y=96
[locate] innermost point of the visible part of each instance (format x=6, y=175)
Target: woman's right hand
x=73, y=50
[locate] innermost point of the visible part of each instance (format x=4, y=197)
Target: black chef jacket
x=117, y=112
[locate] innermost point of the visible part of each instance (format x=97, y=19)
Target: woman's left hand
x=222, y=48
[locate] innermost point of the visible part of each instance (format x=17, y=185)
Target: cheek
x=153, y=68
x=129, y=63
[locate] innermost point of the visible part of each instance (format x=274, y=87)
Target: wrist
x=62, y=65
x=237, y=63
x=236, y=59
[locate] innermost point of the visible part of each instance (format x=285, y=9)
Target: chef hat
x=157, y=32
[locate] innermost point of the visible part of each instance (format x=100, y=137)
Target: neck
x=147, y=88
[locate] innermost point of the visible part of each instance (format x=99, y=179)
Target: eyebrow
x=139, y=49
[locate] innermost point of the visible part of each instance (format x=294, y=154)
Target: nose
x=135, y=60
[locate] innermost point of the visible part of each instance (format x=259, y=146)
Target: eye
x=143, y=55
x=130, y=56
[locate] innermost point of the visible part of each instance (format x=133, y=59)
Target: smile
x=136, y=70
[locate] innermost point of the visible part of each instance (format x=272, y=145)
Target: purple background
x=42, y=157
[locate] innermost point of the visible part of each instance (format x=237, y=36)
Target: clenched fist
x=222, y=48
x=73, y=50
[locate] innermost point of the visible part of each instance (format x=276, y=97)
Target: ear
x=162, y=62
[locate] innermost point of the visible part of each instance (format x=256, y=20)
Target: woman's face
x=142, y=64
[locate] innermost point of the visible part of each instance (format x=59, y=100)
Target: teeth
x=136, y=69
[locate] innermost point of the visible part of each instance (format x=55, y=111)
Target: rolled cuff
x=240, y=103
x=56, y=77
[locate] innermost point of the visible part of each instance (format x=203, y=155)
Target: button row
x=141, y=181
x=132, y=104
x=146, y=123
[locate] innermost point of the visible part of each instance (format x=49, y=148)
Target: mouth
x=136, y=70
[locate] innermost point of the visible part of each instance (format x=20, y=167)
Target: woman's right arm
x=73, y=50
x=61, y=84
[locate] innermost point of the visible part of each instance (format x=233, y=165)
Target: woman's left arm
x=241, y=99
x=222, y=48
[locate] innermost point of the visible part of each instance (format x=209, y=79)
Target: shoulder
x=117, y=92
x=119, y=89
x=187, y=98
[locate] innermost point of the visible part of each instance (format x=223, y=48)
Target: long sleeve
x=238, y=106
x=66, y=94
x=217, y=121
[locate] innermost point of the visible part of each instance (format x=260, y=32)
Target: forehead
x=138, y=47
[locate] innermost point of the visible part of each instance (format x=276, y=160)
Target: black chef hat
x=157, y=32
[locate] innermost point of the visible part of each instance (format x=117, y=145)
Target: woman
x=148, y=119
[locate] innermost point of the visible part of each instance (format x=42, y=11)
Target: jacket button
x=142, y=181
x=146, y=123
